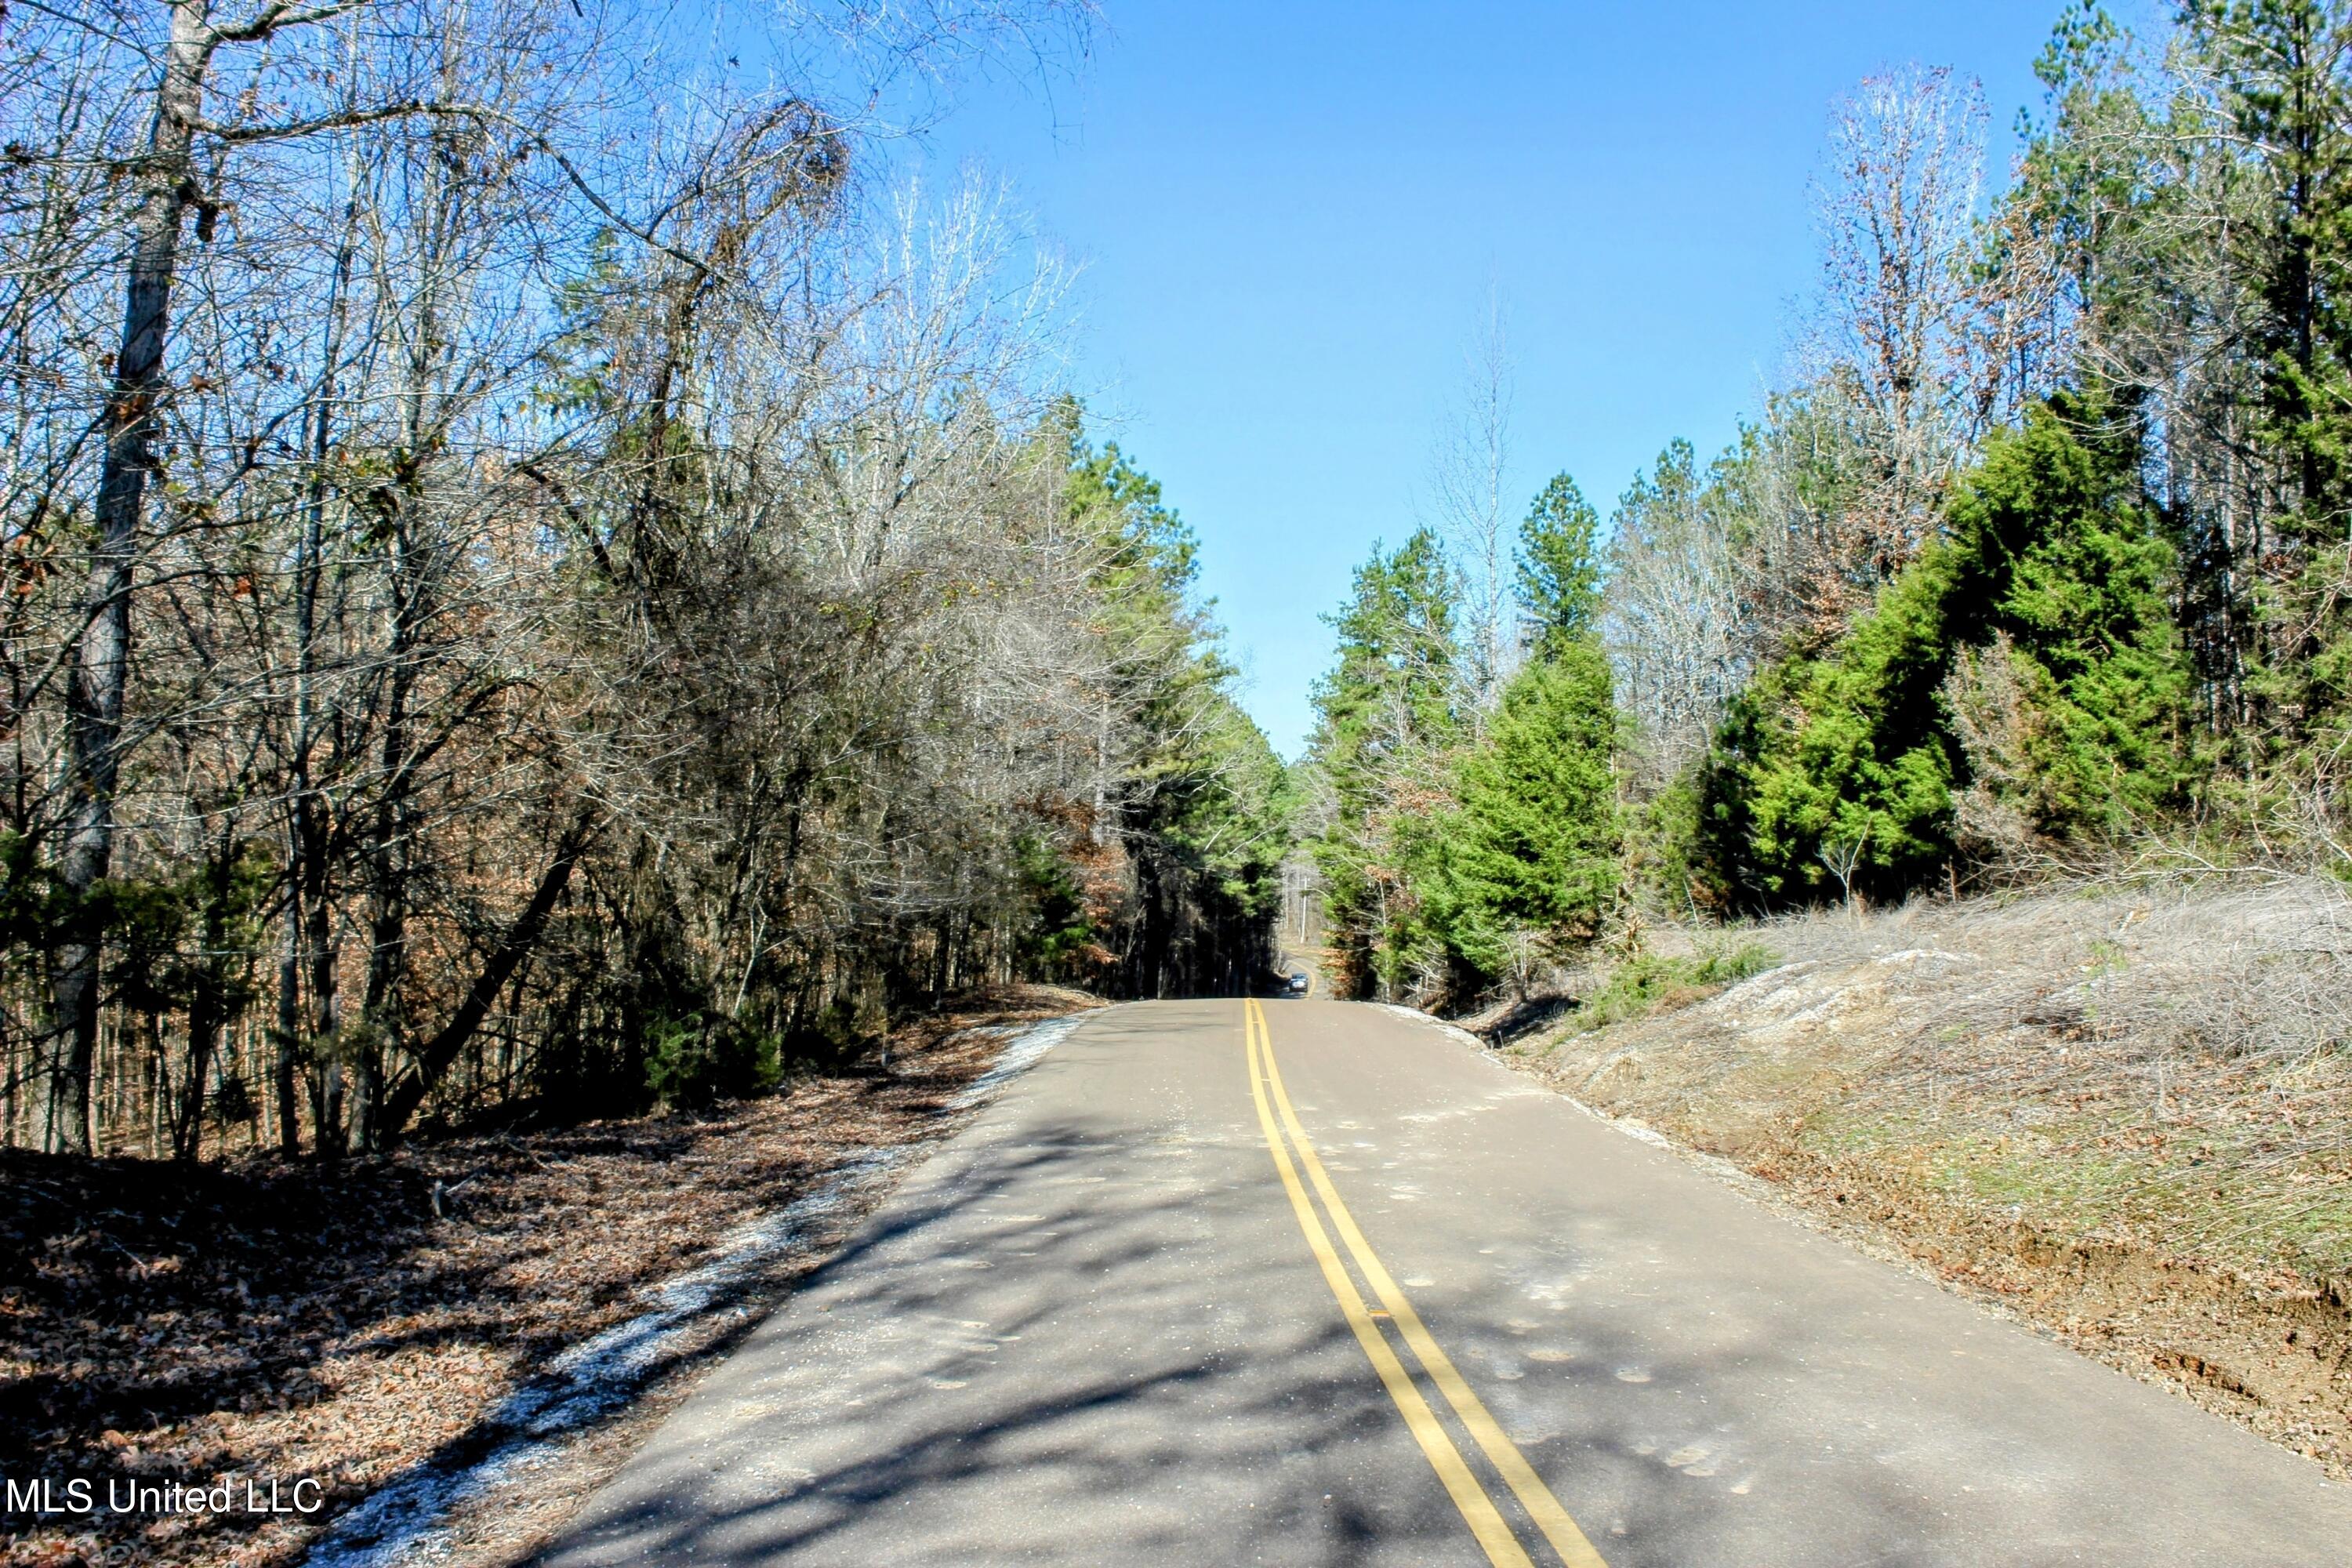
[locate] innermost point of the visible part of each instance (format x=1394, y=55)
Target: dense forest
x=2038, y=562
x=544, y=577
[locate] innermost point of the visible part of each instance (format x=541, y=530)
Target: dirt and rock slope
x=2122, y=1112
x=380, y=1327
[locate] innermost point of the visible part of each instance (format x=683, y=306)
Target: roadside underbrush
x=2123, y=1113
x=343, y=1323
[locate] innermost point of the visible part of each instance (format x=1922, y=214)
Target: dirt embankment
x=2124, y=1115
x=381, y=1320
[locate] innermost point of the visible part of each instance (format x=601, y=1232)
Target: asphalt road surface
x=1307, y=1282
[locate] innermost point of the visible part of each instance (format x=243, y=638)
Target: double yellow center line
x=1479, y=1509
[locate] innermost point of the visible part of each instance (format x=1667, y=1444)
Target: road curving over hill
x=1307, y=1282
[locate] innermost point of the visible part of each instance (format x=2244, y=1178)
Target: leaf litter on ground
x=405, y=1331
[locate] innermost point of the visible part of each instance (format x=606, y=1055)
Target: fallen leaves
x=344, y=1322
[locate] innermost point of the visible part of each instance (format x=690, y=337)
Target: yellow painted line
x=1558, y=1528
x=1479, y=1509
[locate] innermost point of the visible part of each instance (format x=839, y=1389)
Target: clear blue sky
x=1287, y=215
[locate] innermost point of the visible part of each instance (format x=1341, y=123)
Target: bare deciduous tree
x=1936, y=319
x=535, y=571
x=1671, y=616
x=1468, y=473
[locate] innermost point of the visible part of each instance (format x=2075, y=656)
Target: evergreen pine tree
x=1845, y=765
x=2066, y=578
x=1560, y=567
x=1387, y=717
x=1535, y=844
x=2281, y=68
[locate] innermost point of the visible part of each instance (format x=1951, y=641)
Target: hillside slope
x=2123, y=1112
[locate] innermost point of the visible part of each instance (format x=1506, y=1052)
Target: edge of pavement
x=564, y=1433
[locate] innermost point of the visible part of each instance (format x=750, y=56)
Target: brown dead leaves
x=277, y=1320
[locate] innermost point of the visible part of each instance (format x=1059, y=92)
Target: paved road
x=1363, y=1296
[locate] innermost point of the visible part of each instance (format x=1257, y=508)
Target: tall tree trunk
x=99, y=667
x=325, y=1023
x=384, y=1033
x=285, y=1066
x=306, y=833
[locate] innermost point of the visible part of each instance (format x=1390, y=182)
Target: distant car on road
x=1297, y=985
